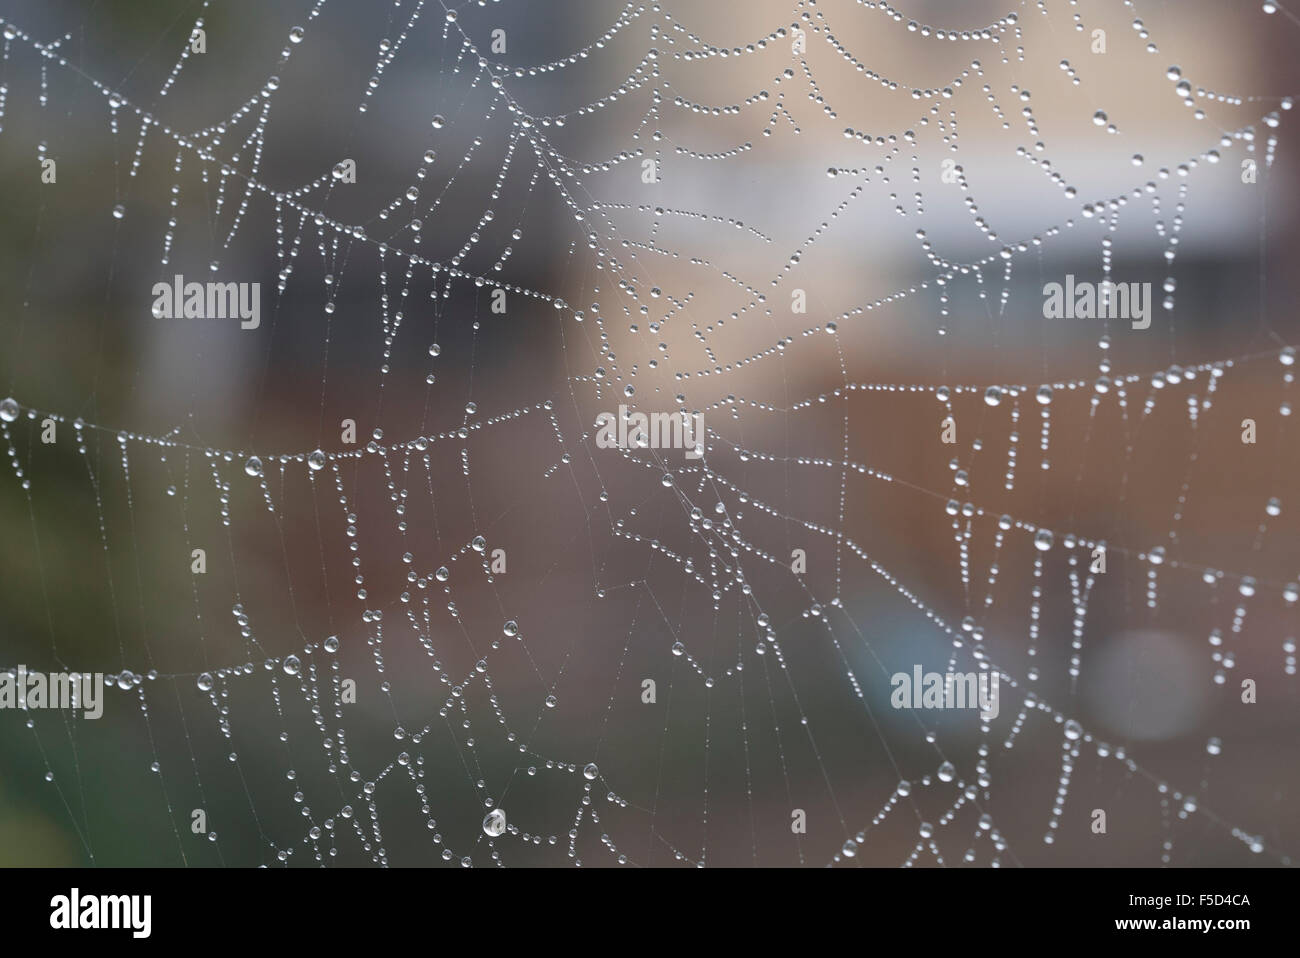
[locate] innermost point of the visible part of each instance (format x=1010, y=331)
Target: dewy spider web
x=563, y=653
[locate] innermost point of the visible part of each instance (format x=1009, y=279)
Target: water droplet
x=1073, y=730
x=993, y=395
x=438, y=122
x=1043, y=540
x=850, y=849
x=205, y=682
x=946, y=772
x=119, y=211
x=332, y=644
x=1099, y=118
x=316, y=461
x=550, y=701
x=494, y=823
x=296, y=35
x=590, y=772
x=292, y=665
x=253, y=466
x=8, y=410
x=1214, y=746
x=511, y=628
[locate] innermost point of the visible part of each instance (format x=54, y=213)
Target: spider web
x=476, y=636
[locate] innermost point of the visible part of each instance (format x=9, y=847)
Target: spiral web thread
x=717, y=535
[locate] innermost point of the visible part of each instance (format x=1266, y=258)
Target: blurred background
x=654, y=187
